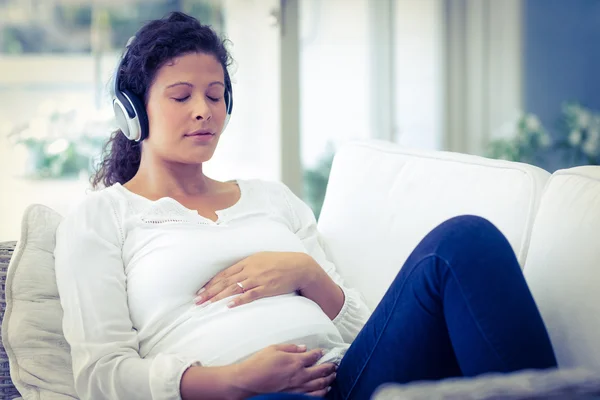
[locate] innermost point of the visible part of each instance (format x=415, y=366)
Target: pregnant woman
x=175, y=285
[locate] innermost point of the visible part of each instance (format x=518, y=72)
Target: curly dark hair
x=155, y=44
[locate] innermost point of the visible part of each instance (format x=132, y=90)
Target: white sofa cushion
x=40, y=359
x=382, y=199
x=563, y=265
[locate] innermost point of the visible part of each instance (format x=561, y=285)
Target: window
x=56, y=61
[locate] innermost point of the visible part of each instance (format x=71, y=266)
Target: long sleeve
x=97, y=325
x=354, y=313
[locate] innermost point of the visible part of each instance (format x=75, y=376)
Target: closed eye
x=181, y=99
x=215, y=99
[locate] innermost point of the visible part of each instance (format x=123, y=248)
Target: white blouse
x=128, y=269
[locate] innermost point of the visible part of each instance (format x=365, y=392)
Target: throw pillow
x=40, y=360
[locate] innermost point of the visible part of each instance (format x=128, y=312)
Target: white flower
x=58, y=146
x=575, y=138
x=544, y=140
x=590, y=147
x=532, y=123
x=583, y=119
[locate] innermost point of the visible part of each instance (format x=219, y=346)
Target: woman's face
x=186, y=109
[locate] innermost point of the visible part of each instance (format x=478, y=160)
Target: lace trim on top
x=169, y=210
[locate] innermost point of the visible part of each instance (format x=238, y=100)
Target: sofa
x=381, y=200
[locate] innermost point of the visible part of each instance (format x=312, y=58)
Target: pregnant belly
x=216, y=335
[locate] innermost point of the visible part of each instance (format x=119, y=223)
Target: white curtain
x=483, y=57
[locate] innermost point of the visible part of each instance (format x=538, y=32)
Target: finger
x=230, y=291
x=214, y=290
x=311, y=357
x=321, y=370
x=210, y=293
x=233, y=270
x=315, y=384
x=248, y=296
x=214, y=282
x=291, y=348
x=319, y=393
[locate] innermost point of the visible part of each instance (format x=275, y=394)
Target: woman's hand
x=261, y=275
x=284, y=368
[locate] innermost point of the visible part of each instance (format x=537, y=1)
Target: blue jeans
x=458, y=307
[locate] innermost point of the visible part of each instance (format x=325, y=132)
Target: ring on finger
x=241, y=286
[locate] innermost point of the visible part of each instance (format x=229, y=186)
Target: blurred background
x=511, y=79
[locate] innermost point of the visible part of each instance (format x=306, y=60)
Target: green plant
x=527, y=145
x=576, y=140
x=62, y=142
x=316, y=179
x=581, y=135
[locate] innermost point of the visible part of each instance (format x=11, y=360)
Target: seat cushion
x=563, y=266
x=555, y=384
x=40, y=360
x=382, y=199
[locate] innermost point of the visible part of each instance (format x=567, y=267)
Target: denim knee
x=469, y=224
x=464, y=235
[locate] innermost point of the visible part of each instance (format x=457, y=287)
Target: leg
x=459, y=306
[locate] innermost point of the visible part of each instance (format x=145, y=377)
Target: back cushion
x=383, y=199
x=563, y=265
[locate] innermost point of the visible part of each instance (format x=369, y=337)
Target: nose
x=202, y=110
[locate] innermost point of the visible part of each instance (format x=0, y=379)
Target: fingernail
x=199, y=299
x=334, y=375
x=205, y=304
x=302, y=347
x=231, y=304
x=328, y=389
x=201, y=291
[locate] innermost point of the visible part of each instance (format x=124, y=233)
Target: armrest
x=528, y=384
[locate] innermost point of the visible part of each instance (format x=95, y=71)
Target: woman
x=177, y=285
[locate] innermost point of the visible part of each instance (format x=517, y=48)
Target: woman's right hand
x=284, y=368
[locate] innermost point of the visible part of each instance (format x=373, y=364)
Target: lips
x=200, y=136
x=200, y=133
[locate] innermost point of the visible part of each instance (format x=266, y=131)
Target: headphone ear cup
x=140, y=122
x=122, y=118
x=228, y=108
x=127, y=117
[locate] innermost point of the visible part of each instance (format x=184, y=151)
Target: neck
x=160, y=178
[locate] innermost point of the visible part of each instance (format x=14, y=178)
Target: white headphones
x=130, y=110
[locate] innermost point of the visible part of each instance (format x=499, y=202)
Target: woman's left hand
x=261, y=275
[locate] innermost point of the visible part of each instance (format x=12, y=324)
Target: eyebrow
x=190, y=85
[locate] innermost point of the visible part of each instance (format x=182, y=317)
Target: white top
x=128, y=269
